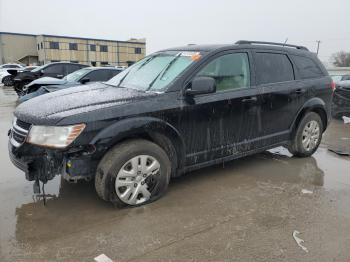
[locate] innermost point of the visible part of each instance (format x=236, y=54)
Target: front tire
x=134, y=173
x=308, y=135
x=8, y=80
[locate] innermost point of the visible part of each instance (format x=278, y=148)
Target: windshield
x=155, y=72
x=77, y=75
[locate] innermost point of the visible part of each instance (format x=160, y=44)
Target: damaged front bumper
x=44, y=164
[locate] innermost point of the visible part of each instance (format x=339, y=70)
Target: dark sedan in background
x=83, y=76
x=57, y=70
x=341, y=99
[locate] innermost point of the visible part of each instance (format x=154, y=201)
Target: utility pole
x=318, y=46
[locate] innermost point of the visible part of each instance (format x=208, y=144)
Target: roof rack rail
x=243, y=42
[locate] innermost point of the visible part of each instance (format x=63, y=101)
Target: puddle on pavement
x=74, y=207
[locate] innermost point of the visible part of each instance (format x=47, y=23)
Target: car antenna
x=285, y=42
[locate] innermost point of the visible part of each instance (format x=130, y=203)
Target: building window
x=38, y=47
x=93, y=63
x=93, y=48
x=104, y=63
x=137, y=50
x=54, y=45
x=73, y=46
x=41, y=44
x=103, y=48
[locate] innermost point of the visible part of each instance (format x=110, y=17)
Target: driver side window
x=230, y=71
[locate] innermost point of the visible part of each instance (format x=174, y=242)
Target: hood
x=47, y=81
x=52, y=107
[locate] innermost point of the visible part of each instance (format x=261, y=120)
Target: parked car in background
x=57, y=70
x=174, y=111
x=341, y=99
x=9, y=66
x=339, y=78
x=83, y=76
x=7, y=79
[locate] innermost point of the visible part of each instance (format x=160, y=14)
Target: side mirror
x=201, y=85
x=84, y=80
x=41, y=72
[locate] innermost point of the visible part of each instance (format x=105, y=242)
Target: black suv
x=57, y=70
x=174, y=111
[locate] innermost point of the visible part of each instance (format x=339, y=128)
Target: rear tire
x=134, y=173
x=308, y=135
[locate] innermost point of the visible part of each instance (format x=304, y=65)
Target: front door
x=223, y=123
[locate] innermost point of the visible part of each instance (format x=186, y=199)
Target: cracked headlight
x=54, y=136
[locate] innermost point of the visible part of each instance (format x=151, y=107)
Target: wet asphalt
x=246, y=210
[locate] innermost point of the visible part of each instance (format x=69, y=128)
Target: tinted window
x=92, y=47
x=307, y=68
x=346, y=77
x=273, y=68
x=73, y=46
x=54, y=69
x=114, y=72
x=229, y=71
x=98, y=75
x=72, y=68
x=103, y=48
x=54, y=45
x=10, y=66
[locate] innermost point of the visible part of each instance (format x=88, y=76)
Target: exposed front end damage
x=43, y=164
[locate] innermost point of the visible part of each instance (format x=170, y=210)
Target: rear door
x=276, y=79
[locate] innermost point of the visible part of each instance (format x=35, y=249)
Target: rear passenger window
x=307, y=68
x=273, y=68
x=229, y=71
x=72, y=68
x=98, y=75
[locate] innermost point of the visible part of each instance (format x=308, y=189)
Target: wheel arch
x=316, y=105
x=150, y=128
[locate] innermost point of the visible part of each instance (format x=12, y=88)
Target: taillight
x=333, y=85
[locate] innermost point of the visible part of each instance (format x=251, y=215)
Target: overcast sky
x=178, y=22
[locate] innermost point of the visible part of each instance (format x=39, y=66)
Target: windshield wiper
x=146, y=62
x=162, y=73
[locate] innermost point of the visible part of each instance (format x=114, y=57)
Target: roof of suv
x=244, y=45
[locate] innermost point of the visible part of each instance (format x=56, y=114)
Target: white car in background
x=10, y=66
x=6, y=78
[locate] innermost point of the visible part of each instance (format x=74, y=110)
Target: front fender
x=131, y=127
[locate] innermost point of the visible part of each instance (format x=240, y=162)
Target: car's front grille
x=19, y=132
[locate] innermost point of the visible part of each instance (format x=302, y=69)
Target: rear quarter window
x=307, y=68
x=273, y=68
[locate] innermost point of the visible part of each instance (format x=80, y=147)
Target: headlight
x=54, y=136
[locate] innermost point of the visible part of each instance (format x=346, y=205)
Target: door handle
x=300, y=91
x=252, y=99
x=59, y=76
